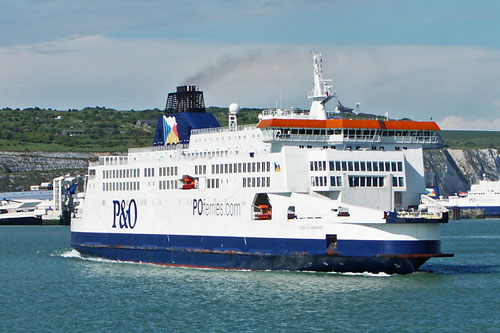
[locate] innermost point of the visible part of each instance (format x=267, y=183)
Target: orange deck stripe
x=350, y=123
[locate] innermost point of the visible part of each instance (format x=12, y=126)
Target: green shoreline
x=99, y=129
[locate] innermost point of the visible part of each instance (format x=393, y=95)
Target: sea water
x=46, y=286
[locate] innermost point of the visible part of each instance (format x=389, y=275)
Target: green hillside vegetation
x=102, y=129
x=471, y=139
x=91, y=129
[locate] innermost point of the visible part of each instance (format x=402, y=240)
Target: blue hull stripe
x=275, y=246
x=258, y=253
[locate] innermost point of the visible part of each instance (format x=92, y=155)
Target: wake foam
x=77, y=255
x=70, y=254
x=367, y=274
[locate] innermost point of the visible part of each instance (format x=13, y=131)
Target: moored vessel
x=299, y=191
x=482, y=201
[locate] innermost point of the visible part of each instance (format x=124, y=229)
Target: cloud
x=96, y=70
x=418, y=82
x=461, y=123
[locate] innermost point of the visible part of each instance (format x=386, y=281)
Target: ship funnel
x=184, y=112
x=185, y=99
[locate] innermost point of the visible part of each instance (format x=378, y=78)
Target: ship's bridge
x=301, y=129
x=320, y=127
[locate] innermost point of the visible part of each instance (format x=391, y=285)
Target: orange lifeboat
x=264, y=213
x=189, y=182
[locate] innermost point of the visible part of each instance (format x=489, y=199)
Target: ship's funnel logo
x=170, y=134
x=431, y=192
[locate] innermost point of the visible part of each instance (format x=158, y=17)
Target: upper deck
x=302, y=129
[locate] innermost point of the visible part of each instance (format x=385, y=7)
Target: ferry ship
x=482, y=200
x=298, y=191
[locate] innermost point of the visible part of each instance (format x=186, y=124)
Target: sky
x=435, y=59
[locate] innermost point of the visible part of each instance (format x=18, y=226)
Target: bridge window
x=363, y=181
x=336, y=181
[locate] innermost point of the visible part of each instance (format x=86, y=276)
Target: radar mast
x=321, y=92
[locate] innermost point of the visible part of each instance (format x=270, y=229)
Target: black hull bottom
x=404, y=264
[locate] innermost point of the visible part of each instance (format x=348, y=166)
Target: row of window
x=167, y=171
x=149, y=172
x=121, y=186
x=317, y=165
x=368, y=181
x=320, y=181
x=395, y=166
x=167, y=184
x=213, y=183
x=356, y=147
x=398, y=182
x=286, y=132
x=240, y=167
x=200, y=169
x=172, y=184
x=356, y=181
x=121, y=173
x=256, y=181
x=208, y=154
x=114, y=160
